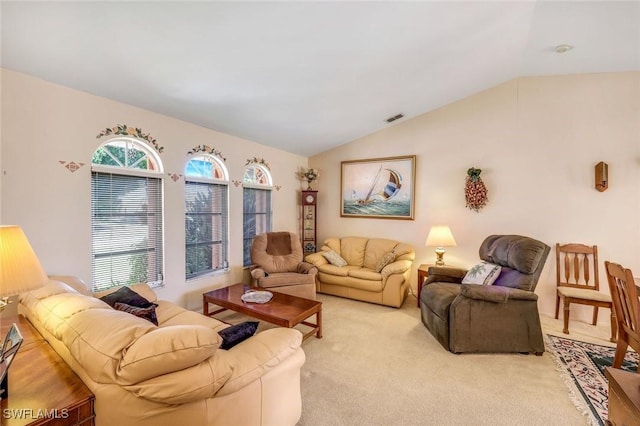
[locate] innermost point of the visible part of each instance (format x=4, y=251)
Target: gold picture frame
x=380, y=188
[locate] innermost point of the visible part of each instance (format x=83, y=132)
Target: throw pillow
x=235, y=334
x=334, y=258
x=386, y=259
x=127, y=296
x=147, y=313
x=484, y=273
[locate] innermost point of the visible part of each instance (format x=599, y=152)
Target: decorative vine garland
x=475, y=192
x=124, y=130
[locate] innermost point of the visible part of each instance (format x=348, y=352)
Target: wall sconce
x=602, y=176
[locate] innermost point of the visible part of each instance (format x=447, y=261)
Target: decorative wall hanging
x=310, y=175
x=124, y=130
x=256, y=160
x=174, y=176
x=237, y=183
x=208, y=149
x=381, y=188
x=475, y=192
x=72, y=166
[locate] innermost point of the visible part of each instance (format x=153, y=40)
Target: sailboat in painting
x=390, y=190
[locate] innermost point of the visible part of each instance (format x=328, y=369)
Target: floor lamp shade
x=20, y=269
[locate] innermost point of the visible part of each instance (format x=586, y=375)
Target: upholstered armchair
x=278, y=265
x=502, y=317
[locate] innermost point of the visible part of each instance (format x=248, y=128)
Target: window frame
x=215, y=183
x=153, y=176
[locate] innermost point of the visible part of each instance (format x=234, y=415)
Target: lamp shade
x=440, y=236
x=20, y=269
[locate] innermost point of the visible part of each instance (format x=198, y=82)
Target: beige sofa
x=173, y=373
x=359, y=279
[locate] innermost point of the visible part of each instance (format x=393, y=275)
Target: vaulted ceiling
x=309, y=76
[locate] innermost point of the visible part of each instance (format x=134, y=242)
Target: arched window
x=126, y=214
x=206, y=215
x=256, y=206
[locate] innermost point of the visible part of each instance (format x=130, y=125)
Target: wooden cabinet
x=309, y=221
x=43, y=390
x=624, y=397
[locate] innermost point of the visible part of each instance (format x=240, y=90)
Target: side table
x=43, y=390
x=423, y=274
x=624, y=397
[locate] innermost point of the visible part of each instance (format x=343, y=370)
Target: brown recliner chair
x=279, y=265
x=502, y=317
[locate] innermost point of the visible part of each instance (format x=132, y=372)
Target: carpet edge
x=566, y=377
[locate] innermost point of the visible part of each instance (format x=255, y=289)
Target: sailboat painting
x=379, y=188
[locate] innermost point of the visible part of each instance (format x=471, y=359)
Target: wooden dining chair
x=625, y=303
x=578, y=282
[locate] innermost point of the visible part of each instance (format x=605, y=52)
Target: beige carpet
x=380, y=366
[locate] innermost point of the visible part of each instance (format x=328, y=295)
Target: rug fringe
x=574, y=392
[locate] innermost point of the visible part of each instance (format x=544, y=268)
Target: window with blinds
x=126, y=226
x=256, y=206
x=126, y=214
x=206, y=216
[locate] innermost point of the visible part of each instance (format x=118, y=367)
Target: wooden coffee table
x=283, y=309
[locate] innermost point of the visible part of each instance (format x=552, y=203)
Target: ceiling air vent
x=394, y=118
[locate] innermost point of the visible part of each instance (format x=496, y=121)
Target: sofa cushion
x=237, y=333
x=148, y=313
x=365, y=274
x=334, y=258
x=352, y=249
x=167, y=349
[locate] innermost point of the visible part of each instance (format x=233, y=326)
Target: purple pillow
x=148, y=313
x=508, y=278
x=235, y=334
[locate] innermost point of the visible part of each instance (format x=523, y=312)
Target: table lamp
x=20, y=271
x=440, y=236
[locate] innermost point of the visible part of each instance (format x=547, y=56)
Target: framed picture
x=382, y=188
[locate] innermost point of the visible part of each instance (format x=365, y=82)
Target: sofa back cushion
x=376, y=249
x=277, y=251
x=352, y=249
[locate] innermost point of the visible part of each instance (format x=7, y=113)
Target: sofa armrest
x=307, y=268
x=258, y=273
x=397, y=267
x=316, y=259
x=445, y=274
x=252, y=358
x=496, y=294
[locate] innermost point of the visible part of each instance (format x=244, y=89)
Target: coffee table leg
x=319, y=322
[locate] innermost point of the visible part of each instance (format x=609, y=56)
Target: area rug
x=582, y=367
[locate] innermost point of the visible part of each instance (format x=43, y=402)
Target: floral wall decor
x=475, y=191
x=256, y=160
x=208, y=149
x=124, y=130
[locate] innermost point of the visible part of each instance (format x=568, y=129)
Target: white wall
x=537, y=141
x=43, y=123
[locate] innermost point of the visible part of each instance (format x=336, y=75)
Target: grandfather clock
x=309, y=204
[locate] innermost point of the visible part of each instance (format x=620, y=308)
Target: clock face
x=310, y=198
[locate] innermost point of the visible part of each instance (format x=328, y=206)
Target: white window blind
x=256, y=217
x=206, y=227
x=126, y=226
